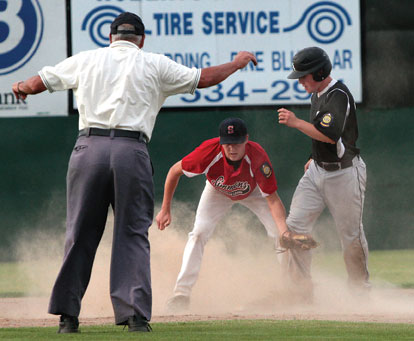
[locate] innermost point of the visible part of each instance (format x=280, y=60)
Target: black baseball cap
x=232, y=130
x=128, y=18
x=309, y=60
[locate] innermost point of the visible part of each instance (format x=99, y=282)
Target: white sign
x=32, y=35
x=200, y=33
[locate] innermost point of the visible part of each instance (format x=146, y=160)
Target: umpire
x=335, y=174
x=119, y=91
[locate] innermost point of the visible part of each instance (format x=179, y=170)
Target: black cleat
x=137, y=324
x=68, y=324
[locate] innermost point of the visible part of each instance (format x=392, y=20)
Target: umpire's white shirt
x=120, y=86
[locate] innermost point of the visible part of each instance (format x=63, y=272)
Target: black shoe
x=68, y=324
x=137, y=324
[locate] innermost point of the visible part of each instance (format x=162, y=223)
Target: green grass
x=228, y=330
x=13, y=282
x=396, y=267
x=392, y=266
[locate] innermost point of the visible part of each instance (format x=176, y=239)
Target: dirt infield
x=50, y=322
x=385, y=306
x=240, y=278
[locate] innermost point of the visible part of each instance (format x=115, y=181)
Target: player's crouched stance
x=237, y=170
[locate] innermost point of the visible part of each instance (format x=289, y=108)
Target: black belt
x=333, y=166
x=114, y=133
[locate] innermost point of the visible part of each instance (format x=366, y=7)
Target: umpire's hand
x=243, y=58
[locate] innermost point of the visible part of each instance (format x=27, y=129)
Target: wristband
x=18, y=89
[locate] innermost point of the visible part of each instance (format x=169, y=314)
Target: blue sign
x=98, y=21
x=200, y=34
x=21, y=30
x=326, y=22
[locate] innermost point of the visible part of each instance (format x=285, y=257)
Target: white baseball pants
x=212, y=207
x=343, y=192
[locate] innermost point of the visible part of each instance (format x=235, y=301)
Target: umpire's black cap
x=232, y=130
x=128, y=18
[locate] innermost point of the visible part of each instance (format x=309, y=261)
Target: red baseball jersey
x=255, y=169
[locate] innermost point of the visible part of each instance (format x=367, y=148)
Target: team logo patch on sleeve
x=266, y=170
x=326, y=120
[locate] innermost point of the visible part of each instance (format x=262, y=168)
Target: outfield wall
x=35, y=151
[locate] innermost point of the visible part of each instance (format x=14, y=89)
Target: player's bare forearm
x=216, y=74
x=171, y=183
x=289, y=119
x=31, y=86
x=278, y=212
x=164, y=216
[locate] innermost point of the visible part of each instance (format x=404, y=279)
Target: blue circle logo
x=21, y=30
x=98, y=23
x=326, y=21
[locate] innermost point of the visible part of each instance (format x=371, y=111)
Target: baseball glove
x=292, y=240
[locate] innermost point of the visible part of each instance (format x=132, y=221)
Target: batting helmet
x=312, y=60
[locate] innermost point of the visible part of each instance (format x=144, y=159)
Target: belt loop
x=88, y=132
x=355, y=160
x=112, y=133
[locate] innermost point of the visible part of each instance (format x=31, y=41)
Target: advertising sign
x=201, y=33
x=32, y=35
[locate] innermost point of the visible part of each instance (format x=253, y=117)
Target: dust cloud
x=240, y=275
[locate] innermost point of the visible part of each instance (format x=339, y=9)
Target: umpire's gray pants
x=343, y=192
x=107, y=171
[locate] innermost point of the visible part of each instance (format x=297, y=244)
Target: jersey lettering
x=236, y=189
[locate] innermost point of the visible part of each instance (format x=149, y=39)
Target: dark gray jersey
x=334, y=115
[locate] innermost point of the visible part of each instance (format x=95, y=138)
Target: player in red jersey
x=237, y=170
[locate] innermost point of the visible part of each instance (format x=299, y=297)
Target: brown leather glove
x=292, y=240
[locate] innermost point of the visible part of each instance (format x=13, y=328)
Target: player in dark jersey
x=237, y=170
x=335, y=174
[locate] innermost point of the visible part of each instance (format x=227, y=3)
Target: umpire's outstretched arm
x=210, y=76
x=216, y=74
x=33, y=85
